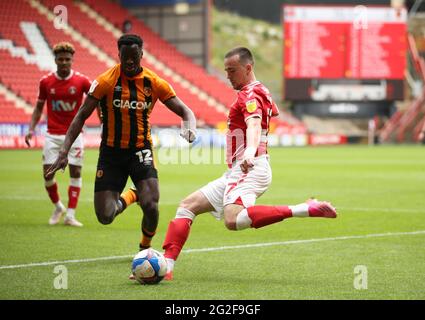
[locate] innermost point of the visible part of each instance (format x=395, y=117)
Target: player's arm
x=186, y=114
x=90, y=103
x=35, y=118
x=275, y=110
x=87, y=86
x=253, y=136
x=422, y=133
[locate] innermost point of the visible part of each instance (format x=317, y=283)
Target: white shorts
x=52, y=145
x=236, y=187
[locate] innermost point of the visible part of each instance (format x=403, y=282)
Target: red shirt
x=254, y=100
x=64, y=98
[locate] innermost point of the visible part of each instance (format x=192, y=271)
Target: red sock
x=53, y=192
x=264, y=215
x=73, y=194
x=177, y=234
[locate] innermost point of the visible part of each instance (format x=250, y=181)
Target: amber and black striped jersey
x=126, y=105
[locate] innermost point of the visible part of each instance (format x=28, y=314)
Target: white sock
x=243, y=221
x=70, y=213
x=59, y=205
x=170, y=264
x=184, y=213
x=76, y=182
x=299, y=210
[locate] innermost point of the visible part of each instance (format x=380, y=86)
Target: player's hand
x=247, y=164
x=275, y=110
x=28, y=138
x=188, y=134
x=60, y=164
x=421, y=136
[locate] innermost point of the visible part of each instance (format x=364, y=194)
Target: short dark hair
x=63, y=47
x=130, y=39
x=245, y=55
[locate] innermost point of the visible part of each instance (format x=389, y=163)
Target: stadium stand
x=208, y=84
x=406, y=123
x=93, y=27
x=168, y=53
x=9, y=113
x=22, y=77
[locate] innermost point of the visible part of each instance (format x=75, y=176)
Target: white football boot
x=57, y=215
x=72, y=222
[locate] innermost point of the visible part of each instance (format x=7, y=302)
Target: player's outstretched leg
x=260, y=216
x=321, y=209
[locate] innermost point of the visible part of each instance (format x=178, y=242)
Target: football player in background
x=233, y=195
x=63, y=90
x=421, y=136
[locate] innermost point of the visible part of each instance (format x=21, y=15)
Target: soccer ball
x=149, y=266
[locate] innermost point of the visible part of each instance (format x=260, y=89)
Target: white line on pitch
x=244, y=246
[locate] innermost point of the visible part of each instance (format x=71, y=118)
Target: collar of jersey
x=251, y=84
x=66, y=78
x=139, y=75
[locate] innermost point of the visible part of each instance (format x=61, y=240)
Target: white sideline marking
x=244, y=246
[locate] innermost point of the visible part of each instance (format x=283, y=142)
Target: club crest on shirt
x=251, y=105
x=99, y=173
x=147, y=91
x=72, y=90
x=52, y=91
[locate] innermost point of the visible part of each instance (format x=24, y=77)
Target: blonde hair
x=63, y=47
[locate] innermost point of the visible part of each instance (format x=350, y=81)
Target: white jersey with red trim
x=254, y=100
x=64, y=98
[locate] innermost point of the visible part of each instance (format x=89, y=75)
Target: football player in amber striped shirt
x=127, y=94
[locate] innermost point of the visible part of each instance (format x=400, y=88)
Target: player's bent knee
x=186, y=203
x=105, y=216
x=230, y=224
x=104, y=219
x=230, y=214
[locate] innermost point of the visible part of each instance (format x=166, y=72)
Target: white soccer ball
x=149, y=266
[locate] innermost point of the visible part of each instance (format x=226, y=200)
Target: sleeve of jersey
x=87, y=85
x=98, y=88
x=252, y=108
x=165, y=90
x=42, y=95
x=275, y=110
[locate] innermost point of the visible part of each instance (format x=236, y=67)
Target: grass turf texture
x=377, y=191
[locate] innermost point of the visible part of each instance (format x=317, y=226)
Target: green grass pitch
x=379, y=193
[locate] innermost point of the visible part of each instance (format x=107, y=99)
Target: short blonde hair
x=63, y=47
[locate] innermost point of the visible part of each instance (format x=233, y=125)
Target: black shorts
x=114, y=166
